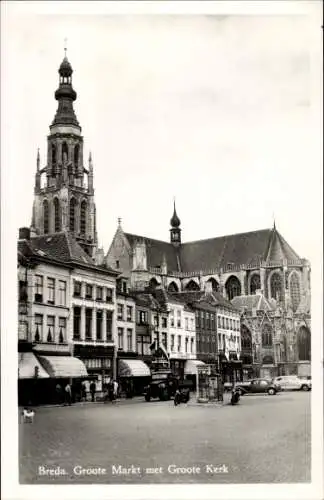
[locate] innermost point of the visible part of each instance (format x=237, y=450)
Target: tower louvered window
x=45, y=214
x=83, y=217
x=53, y=159
x=295, y=291
x=65, y=152
x=72, y=214
x=57, y=222
x=76, y=155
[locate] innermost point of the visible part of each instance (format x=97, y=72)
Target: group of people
x=64, y=395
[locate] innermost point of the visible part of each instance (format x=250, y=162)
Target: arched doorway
x=192, y=286
x=214, y=284
x=173, y=287
x=232, y=287
x=304, y=344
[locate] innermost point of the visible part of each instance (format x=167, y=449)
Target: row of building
x=240, y=302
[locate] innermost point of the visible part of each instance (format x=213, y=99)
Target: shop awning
x=133, y=368
x=63, y=366
x=191, y=366
x=30, y=367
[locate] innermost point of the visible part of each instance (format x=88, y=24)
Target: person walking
x=115, y=385
x=93, y=391
x=83, y=391
x=68, y=394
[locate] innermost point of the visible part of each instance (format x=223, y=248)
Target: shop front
x=42, y=377
x=133, y=376
x=191, y=371
x=99, y=361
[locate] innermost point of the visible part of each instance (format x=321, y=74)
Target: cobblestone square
x=264, y=439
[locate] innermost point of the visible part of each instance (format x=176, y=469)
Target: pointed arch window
x=255, y=284
x=54, y=158
x=72, y=214
x=304, y=344
x=267, y=335
x=83, y=217
x=233, y=287
x=192, y=286
x=76, y=155
x=57, y=221
x=295, y=291
x=173, y=287
x=65, y=152
x=276, y=287
x=214, y=284
x=46, y=216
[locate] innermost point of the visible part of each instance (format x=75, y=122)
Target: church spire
x=65, y=95
x=175, y=231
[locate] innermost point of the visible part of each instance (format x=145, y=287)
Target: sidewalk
x=118, y=402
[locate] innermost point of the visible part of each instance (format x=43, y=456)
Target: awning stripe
x=30, y=367
x=191, y=366
x=133, y=368
x=63, y=366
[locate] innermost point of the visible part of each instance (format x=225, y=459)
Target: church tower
x=64, y=194
x=175, y=231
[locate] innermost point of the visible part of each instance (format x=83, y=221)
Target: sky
x=218, y=111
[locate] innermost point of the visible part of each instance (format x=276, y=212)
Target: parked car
x=164, y=385
x=293, y=382
x=257, y=385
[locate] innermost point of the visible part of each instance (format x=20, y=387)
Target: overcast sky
x=216, y=110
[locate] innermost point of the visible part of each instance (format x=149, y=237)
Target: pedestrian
x=177, y=398
x=68, y=394
x=115, y=384
x=111, y=390
x=83, y=391
x=58, y=391
x=93, y=391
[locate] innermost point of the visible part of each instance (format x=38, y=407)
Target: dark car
x=163, y=387
x=257, y=385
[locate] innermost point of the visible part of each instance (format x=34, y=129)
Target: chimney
x=24, y=233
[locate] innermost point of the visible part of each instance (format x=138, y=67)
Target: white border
x=10, y=487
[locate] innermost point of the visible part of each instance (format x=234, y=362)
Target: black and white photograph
x=162, y=207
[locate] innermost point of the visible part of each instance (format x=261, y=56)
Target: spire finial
x=38, y=159
x=65, y=46
x=119, y=220
x=274, y=221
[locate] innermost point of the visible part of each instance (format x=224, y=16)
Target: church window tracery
x=72, y=214
x=83, y=217
x=266, y=335
x=57, y=222
x=46, y=216
x=233, y=287
x=294, y=291
x=255, y=284
x=276, y=287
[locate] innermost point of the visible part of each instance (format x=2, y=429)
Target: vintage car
x=163, y=387
x=257, y=385
x=293, y=382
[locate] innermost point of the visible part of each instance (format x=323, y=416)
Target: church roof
x=249, y=302
x=60, y=247
x=202, y=255
x=156, y=250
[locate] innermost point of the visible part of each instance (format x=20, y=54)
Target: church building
x=237, y=265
